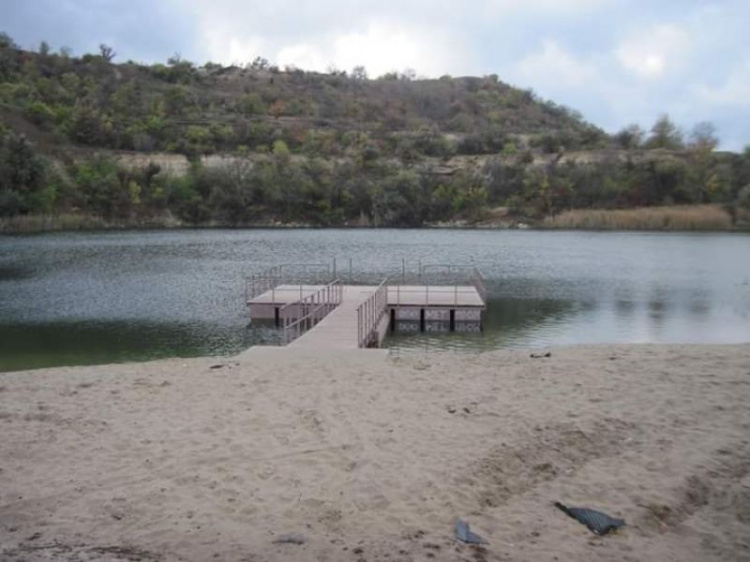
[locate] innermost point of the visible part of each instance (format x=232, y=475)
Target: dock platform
x=341, y=327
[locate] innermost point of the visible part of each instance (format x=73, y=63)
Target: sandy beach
x=364, y=457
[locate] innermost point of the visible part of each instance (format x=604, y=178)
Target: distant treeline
x=280, y=187
x=325, y=149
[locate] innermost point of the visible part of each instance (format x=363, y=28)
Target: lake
x=87, y=298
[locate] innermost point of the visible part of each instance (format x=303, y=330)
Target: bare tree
x=359, y=73
x=408, y=74
x=107, y=52
x=260, y=63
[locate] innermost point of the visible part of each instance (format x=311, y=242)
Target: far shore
x=302, y=455
x=691, y=218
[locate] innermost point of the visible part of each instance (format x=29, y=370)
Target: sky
x=616, y=61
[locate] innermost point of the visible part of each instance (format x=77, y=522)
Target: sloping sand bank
x=371, y=458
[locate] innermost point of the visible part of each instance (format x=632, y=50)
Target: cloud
x=616, y=61
x=552, y=64
x=734, y=91
x=434, y=36
x=654, y=52
x=381, y=47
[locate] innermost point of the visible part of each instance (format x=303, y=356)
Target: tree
x=359, y=73
x=44, y=49
x=6, y=41
x=703, y=137
x=277, y=108
x=743, y=197
x=260, y=63
x=107, y=52
x=21, y=170
x=665, y=134
x=408, y=75
x=21, y=174
x=630, y=137
x=251, y=104
x=280, y=149
x=176, y=100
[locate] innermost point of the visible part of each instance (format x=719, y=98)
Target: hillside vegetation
x=324, y=149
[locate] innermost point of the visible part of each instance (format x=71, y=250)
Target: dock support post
x=276, y=317
x=453, y=320
x=393, y=320
x=421, y=320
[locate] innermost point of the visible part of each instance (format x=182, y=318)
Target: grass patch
x=684, y=217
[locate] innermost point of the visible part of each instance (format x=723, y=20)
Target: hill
x=134, y=143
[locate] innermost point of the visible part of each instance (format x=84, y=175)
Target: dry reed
x=687, y=217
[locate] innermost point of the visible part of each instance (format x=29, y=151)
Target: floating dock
x=348, y=316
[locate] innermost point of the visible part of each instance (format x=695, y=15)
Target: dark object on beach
x=290, y=538
x=540, y=355
x=598, y=522
x=219, y=366
x=465, y=535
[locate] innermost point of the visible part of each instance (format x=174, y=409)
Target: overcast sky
x=616, y=61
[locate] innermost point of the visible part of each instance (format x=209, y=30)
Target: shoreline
x=481, y=227
x=674, y=218
x=370, y=457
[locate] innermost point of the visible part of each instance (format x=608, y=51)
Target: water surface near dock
x=83, y=298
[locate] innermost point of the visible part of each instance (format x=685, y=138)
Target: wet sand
x=367, y=458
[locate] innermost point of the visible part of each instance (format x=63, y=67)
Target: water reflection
x=102, y=297
x=506, y=322
x=27, y=346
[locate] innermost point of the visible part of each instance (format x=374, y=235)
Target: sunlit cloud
x=381, y=47
x=652, y=53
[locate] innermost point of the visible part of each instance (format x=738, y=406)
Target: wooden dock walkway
x=339, y=329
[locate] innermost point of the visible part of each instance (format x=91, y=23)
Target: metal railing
x=286, y=274
x=304, y=314
x=370, y=313
x=477, y=279
x=436, y=284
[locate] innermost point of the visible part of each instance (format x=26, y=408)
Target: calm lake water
x=86, y=298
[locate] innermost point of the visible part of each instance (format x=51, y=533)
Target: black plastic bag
x=598, y=522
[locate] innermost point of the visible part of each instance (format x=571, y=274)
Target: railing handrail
x=422, y=285
x=370, y=313
x=308, y=309
x=477, y=279
x=268, y=279
x=306, y=297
